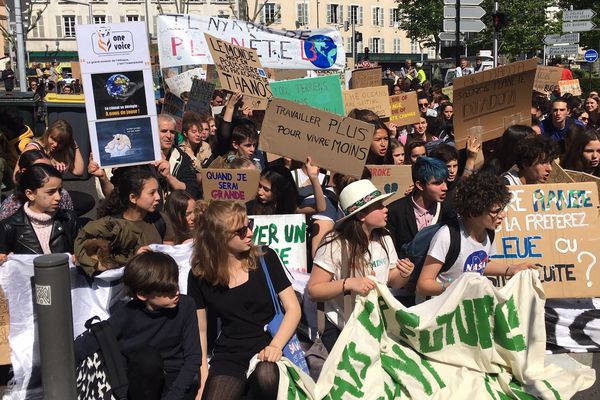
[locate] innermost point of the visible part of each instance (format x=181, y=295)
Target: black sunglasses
x=243, y=231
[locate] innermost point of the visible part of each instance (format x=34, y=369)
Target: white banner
x=181, y=41
x=183, y=82
x=573, y=325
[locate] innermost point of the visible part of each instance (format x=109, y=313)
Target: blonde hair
x=63, y=132
x=210, y=254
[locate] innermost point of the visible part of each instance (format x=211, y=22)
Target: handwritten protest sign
x=230, y=184
x=4, y=330
x=391, y=179
x=570, y=86
x=365, y=77
x=182, y=83
x=578, y=176
x=239, y=68
x=404, y=109
x=200, y=96
x=448, y=91
x=546, y=78
x=322, y=92
x=557, y=175
x=76, y=70
x=556, y=227
x=336, y=143
x=375, y=99
x=487, y=103
x=173, y=105
x=286, y=234
x=287, y=74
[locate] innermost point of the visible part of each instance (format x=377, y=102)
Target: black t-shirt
x=244, y=310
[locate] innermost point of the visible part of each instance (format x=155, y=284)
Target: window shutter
x=40, y=27
x=340, y=14
x=328, y=13
x=349, y=14
x=109, y=19
x=374, y=16
x=360, y=15
x=391, y=17
x=154, y=25
x=59, y=26
x=381, y=21
x=299, y=13
x=79, y=20
x=123, y=19
x=381, y=46
x=277, y=13
x=370, y=43
x=142, y=18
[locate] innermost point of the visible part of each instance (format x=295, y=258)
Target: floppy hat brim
x=367, y=204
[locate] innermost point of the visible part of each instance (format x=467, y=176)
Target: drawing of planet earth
x=321, y=51
x=117, y=85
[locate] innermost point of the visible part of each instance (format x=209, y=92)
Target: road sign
x=560, y=50
x=465, y=12
x=449, y=36
x=591, y=55
x=466, y=25
x=577, y=15
x=464, y=2
x=578, y=26
x=569, y=38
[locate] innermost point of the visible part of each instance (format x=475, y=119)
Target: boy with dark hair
x=157, y=331
x=534, y=161
x=480, y=202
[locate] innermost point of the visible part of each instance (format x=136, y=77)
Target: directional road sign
x=466, y=25
x=576, y=15
x=591, y=55
x=464, y=2
x=449, y=36
x=560, y=50
x=569, y=38
x=578, y=26
x=465, y=12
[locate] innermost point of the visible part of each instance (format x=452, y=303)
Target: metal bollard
x=55, y=326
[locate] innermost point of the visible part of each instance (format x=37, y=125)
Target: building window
x=99, y=19
x=38, y=29
x=349, y=44
x=302, y=13
x=355, y=14
x=394, y=17
x=271, y=14
x=132, y=18
x=376, y=45
x=377, y=16
x=414, y=47
x=69, y=26
x=335, y=14
x=397, y=46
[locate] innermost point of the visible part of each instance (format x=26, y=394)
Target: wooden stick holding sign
x=230, y=184
x=337, y=143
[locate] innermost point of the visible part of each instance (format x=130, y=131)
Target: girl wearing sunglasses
x=227, y=280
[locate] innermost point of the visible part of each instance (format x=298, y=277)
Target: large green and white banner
x=473, y=341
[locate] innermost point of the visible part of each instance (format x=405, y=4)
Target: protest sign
x=366, y=77
x=286, y=234
x=287, y=74
x=4, y=330
x=404, y=109
x=448, y=91
x=375, y=99
x=182, y=83
x=557, y=175
x=255, y=103
x=230, y=184
x=546, y=78
x=556, y=227
x=578, y=176
x=117, y=79
x=573, y=325
x=336, y=143
x=391, y=179
x=487, y=103
x=570, y=86
x=181, y=41
x=239, y=68
x=75, y=70
x=173, y=105
x=200, y=97
x=322, y=92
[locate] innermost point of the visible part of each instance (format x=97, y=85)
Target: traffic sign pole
x=496, y=38
x=457, y=34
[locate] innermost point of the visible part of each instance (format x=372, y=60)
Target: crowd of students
x=171, y=340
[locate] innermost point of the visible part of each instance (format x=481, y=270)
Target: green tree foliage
x=422, y=20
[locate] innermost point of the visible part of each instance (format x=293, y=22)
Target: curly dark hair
x=536, y=149
x=478, y=193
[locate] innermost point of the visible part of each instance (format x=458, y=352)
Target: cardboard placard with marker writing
x=571, y=86
x=323, y=92
x=487, y=103
x=375, y=99
x=200, y=97
x=336, y=143
x=556, y=227
x=546, y=78
x=391, y=179
x=230, y=184
x=404, y=109
x=366, y=77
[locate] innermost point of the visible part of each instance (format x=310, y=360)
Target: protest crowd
x=390, y=199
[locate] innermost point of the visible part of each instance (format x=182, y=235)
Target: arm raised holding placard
x=313, y=174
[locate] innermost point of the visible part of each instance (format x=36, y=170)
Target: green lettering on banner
x=483, y=310
x=365, y=319
x=447, y=320
x=554, y=392
x=488, y=387
x=294, y=392
x=284, y=254
x=469, y=335
x=425, y=345
x=295, y=233
x=407, y=320
x=405, y=365
x=433, y=372
x=341, y=387
x=519, y=392
x=383, y=307
x=503, y=326
x=346, y=364
x=389, y=394
x=501, y=395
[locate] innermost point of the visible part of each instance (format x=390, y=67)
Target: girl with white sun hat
x=359, y=246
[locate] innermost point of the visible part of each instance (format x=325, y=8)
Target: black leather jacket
x=17, y=234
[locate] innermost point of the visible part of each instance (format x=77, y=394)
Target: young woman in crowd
x=419, y=132
x=180, y=207
x=227, y=278
x=446, y=113
x=40, y=226
x=195, y=132
x=360, y=240
x=398, y=154
x=413, y=150
x=592, y=106
x=11, y=204
x=380, y=152
x=581, y=115
x=583, y=154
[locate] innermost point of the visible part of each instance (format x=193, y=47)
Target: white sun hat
x=359, y=195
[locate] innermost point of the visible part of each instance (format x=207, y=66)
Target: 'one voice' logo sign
x=105, y=42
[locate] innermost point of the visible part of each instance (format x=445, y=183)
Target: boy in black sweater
x=157, y=331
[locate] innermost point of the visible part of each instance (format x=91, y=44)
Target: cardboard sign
x=404, y=109
x=487, y=103
x=578, y=176
x=182, y=83
x=557, y=175
x=448, y=91
x=75, y=70
x=570, y=86
x=335, y=143
x=546, y=78
x=230, y=184
x=287, y=74
x=366, y=77
x=239, y=68
x=255, y=103
x=322, y=92
x=391, y=179
x=173, y=105
x=286, y=234
x=556, y=227
x=4, y=328
x=200, y=96
x=375, y=99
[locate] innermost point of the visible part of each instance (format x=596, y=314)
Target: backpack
x=416, y=250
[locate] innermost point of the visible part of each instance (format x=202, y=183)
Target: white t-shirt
x=329, y=257
x=473, y=257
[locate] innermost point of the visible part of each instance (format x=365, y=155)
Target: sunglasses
x=243, y=231
x=423, y=104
